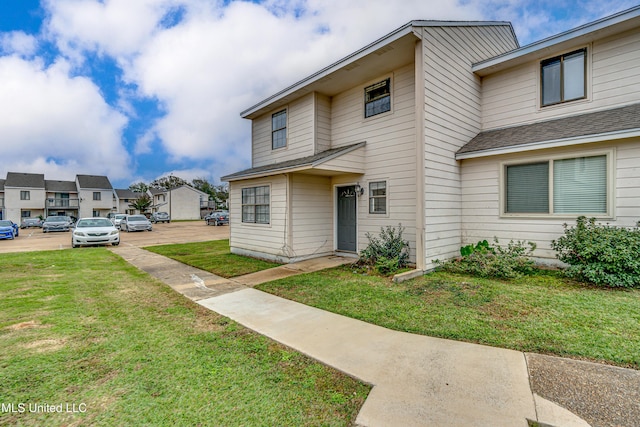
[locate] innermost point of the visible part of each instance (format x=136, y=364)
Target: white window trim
x=388, y=205
x=286, y=138
x=391, y=100
x=258, y=224
x=611, y=185
x=588, y=81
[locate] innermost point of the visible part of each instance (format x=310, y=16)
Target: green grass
x=544, y=313
x=213, y=256
x=86, y=328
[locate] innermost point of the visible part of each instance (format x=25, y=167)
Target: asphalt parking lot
x=33, y=239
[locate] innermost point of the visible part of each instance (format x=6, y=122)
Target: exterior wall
x=105, y=205
x=322, y=123
x=184, y=203
x=262, y=240
x=300, y=133
x=311, y=215
x=452, y=117
x=389, y=153
x=512, y=97
x=481, y=198
x=14, y=206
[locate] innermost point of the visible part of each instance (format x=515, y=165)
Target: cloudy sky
x=139, y=89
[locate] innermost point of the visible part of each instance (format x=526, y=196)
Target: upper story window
x=563, y=186
x=279, y=129
x=378, y=197
x=377, y=98
x=97, y=195
x=25, y=195
x=564, y=78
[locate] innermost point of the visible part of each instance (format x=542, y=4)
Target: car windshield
x=94, y=222
x=5, y=223
x=137, y=218
x=119, y=216
x=58, y=219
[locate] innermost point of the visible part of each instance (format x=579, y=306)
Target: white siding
x=311, y=216
x=389, y=153
x=481, y=199
x=183, y=203
x=452, y=118
x=14, y=206
x=323, y=123
x=270, y=240
x=300, y=133
x=511, y=97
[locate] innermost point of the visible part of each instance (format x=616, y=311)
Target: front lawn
x=544, y=313
x=213, y=256
x=85, y=332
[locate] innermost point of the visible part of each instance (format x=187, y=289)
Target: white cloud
x=56, y=123
x=18, y=43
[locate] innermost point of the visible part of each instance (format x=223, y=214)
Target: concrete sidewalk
x=417, y=380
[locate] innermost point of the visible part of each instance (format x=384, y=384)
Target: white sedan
x=94, y=231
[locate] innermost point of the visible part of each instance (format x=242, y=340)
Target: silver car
x=57, y=223
x=94, y=231
x=135, y=223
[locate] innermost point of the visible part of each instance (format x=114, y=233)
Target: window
x=255, y=205
x=279, y=129
x=377, y=98
x=97, y=195
x=561, y=186
x=378, y=197
x=563, y=78
x=25, y=214
x=96, y=214
x=25, y=195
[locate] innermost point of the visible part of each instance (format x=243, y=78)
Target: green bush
x=483, y=260
x=600, y=254
x=386, y=253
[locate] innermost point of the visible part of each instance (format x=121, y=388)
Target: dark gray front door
x=347, y=218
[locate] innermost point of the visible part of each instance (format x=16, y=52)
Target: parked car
x=57, y=223
x=217, y=218
x=8, y=229
x=31, y=222
x=94, y=231
x=116, y=218
x=160, y=217
x=135, y=223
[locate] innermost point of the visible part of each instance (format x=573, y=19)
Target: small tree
x=139, y=187
x=141, y=204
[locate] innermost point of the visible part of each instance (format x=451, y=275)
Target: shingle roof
x=155, y=191
x=94, y=182
x=600, y=122
x=25, y=180
x=2, y=184
x=128, y=194
x=290, y=164
x=60, y=186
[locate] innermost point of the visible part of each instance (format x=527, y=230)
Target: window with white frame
x=97, y=195
x=563, y=78
x=571, y=186
x=377, y=98
x=25, y=195
x=378, y=197
x=255, y=205
x=279, y=129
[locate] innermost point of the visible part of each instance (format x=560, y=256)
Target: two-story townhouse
x=450, y=129
x=61, y=198
x=96, y=194
x=126, y=197
x=24, y=195
x=181, y=203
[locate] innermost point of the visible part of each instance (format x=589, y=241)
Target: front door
x=346, y=219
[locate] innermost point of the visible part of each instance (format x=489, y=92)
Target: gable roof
x=125, y=193
x=303, y=163
x=96, y=182
x=60, y=186
x=154, y=191
x=2, y=184
x=24, y=180
x=616, y=123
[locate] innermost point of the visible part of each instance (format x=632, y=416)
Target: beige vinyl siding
x=311, y=215
x=511, y=97
x=452, y=118
x=389, y=154
x=481, y=199
x=323, y=123
x=300, y=133
x=267, y=239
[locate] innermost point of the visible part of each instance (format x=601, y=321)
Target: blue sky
x=139, y=89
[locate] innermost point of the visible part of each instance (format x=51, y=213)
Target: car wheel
x=73, y=245
x=116, y=243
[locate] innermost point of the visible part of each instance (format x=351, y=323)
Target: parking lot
x=33, y=239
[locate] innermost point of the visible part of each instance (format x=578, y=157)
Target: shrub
x=386, y=253
x=600, y=254
x=483, y=260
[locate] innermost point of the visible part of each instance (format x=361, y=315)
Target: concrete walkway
x=417, y=380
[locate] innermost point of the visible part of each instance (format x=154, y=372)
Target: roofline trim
x=553, y=143
x=584, y=29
